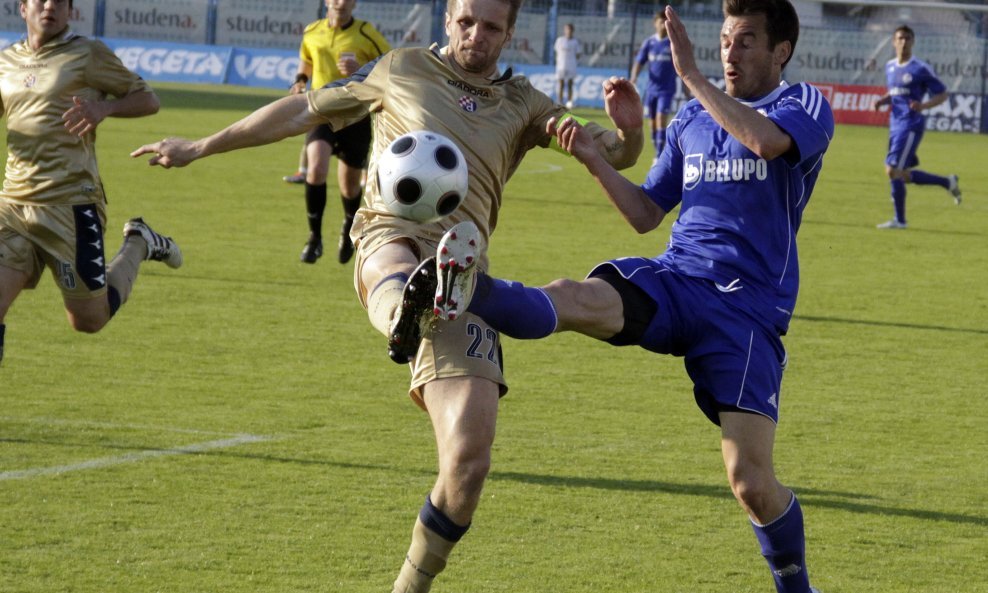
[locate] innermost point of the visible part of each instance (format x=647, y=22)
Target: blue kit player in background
x=661, y=80
x=910, y=81
x=740, y=166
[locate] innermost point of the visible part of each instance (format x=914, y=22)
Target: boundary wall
x=255, y=43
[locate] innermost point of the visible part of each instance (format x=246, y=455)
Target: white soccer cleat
x=955, y=188
x=297, y=177
x=160, y=247
x=891, y=224
x=456, y=264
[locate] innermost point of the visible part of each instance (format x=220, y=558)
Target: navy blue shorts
x=734, y=358
x=902, y=149
x=657, y=102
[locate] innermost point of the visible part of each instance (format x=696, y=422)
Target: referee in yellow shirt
x=332, y=48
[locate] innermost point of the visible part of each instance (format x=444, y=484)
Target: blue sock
x=440, y=524
x=513, y=309
x=660, y=141
x=784, y=547
x=899, y=199
x=923, y=178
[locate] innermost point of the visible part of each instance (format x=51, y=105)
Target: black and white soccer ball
x=422, y=176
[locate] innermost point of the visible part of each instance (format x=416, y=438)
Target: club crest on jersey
x=692, y=167
x=30, y=80
x=468, y=104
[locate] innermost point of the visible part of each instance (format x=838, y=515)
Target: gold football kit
x=494, y=123
x=52, y=207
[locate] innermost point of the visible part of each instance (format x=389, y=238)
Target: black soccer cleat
x=415, y=313
x=346, y=245
x=312, y=250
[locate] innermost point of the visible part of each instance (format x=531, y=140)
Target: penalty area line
x=132, y=457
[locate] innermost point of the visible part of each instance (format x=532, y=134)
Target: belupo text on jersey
x=740, y=169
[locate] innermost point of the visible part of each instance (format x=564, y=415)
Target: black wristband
x=301, y=77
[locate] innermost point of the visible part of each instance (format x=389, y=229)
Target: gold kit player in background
x=54, y=88
x=495, y=119
x=334, y=48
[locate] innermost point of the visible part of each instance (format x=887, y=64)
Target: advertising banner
x=587, y=88
x=961, y=112
x=852, y=104
x=172, y=62
x=403, y=25
x=264, y=23
x=527, y=45
x=182, y=21
x=271, y=68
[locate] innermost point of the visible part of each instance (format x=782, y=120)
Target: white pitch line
x=110, y=425
x=131, y=457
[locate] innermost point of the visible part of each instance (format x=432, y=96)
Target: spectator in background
x=909, y=80
x=334, y=48
x=567, y=50
x=661, y=86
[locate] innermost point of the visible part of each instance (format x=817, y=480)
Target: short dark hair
x=781, y=20
x=905, y=29
x=25, y=2
x=513, y=5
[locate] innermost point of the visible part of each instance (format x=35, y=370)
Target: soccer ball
x=422, y=176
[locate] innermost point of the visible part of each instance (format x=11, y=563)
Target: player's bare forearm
x=641, y=212
x=621, y=148
x=285, y=117
x=136, y=104
x=276, y=121
x=934, y=101
x=752, y=129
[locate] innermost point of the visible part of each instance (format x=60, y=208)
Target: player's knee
x=575, y=300
x=755, y=491
x=469, y=471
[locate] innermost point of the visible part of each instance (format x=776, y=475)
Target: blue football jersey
x=738, y=212
x=911, y=81
x=661, y=73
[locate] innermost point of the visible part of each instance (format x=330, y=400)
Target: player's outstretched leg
x=414, y=314
x=456, y=260
x=160, y=247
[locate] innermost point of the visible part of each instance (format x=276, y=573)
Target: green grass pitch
x=239, y=427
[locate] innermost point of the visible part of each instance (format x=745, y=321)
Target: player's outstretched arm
x=85, y=115
x=641, y=212
x=285, y=117
x=622, y=146
x=751, y=129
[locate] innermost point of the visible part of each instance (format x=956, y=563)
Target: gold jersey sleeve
x=323, y=46
x=494, y=123
x=45, y=163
